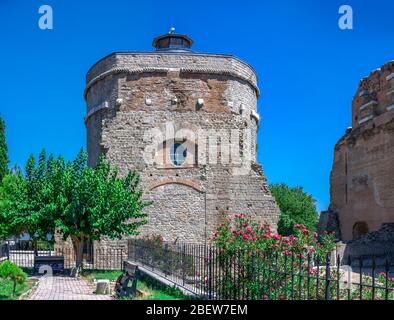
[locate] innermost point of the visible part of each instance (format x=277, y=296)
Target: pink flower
x=293, y=238
x=249, y=230
x=313, y=270
x=315, y=234
x=277, y=237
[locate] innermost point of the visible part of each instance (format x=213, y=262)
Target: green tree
x=7, y=193
x=296, y=206
x=3, y=151
x=27, y=202
x=97, y=202
x=78, y=201
x=10, y=271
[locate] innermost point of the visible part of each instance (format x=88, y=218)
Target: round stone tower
x=187, y=122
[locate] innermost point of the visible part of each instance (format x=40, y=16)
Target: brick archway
x=187, y=182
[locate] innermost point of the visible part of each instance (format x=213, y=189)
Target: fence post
x=183, y=263
x=386, y=285
x=121, y=258
x=328, y=277
x=166, y=262
x=373, y=277
x=7, y=249
x=210, y=274
x=134, y=245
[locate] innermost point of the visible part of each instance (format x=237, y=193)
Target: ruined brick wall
x=128, y=94
x=362, y=177
x=377, y=244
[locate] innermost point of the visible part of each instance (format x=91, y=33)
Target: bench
x=55, y=262
x=126, y=284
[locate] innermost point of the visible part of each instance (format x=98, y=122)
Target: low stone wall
x=378, y=245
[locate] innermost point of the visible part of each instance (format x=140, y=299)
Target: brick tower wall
x=188, y=202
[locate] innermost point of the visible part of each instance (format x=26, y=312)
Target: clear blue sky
x=308, y=69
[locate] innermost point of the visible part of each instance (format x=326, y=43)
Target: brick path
x=65, y=288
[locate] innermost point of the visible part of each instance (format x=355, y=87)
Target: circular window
x=178, y=154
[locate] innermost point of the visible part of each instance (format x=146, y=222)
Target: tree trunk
x=35, y=247
x=78, y=243
x=14, y=289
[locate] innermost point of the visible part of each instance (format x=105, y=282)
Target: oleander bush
x=257, y=263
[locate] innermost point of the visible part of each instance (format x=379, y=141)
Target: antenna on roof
x=172, y=30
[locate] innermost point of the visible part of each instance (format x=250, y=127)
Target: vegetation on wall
x=296, y=207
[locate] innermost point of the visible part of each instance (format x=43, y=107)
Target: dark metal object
x=126, y=284
x=56, y=263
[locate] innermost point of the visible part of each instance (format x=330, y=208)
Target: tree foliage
x=296, y=206
x=71, y=198
x=3, y=151
x=28, y=202
x=10, y=271
x=96, y=202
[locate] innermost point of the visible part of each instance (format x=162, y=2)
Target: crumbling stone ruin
x=362, y=177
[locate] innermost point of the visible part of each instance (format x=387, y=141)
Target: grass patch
x=6, y=287
x=152, y=289
x=154, y=294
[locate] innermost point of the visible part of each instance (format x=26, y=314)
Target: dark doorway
x=359, y=229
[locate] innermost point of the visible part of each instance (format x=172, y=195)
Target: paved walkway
x=65, y=288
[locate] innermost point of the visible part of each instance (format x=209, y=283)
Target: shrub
x=296, y=207
x=257, y=255
x=10, y=271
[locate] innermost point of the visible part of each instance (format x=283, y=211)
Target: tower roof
x=172, y=42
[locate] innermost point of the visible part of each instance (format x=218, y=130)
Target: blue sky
x=308, y=69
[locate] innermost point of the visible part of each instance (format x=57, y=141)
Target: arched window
x=178, y=154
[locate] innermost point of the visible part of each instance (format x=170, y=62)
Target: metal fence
x=22, y=253
x=245, y=275
x=3, y=252
x=250, y=275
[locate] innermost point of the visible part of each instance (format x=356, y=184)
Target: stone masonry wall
x=362, y=178
x=189, y=201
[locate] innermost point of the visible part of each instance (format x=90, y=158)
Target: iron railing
x=251, y=275
x=23, y=253
x=214, y=274
x=3, y=251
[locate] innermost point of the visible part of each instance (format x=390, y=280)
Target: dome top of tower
x=173, y=42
